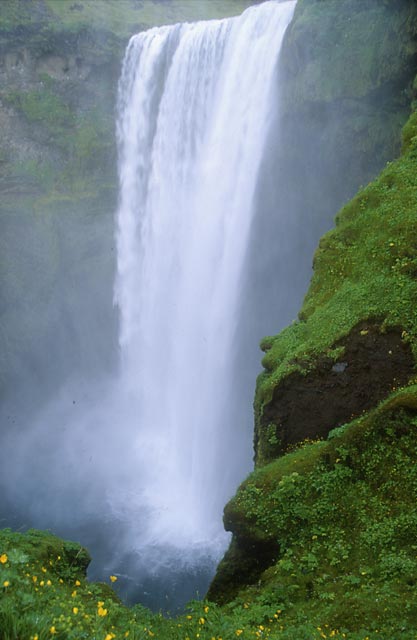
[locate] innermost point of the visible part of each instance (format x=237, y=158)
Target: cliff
x=335, y=408
x=59, y=67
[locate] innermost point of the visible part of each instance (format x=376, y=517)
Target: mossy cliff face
x=340, y=522
x=353, y=346
x=58, y=194
x=347, y=68
x=365, y=252
x=344, y=91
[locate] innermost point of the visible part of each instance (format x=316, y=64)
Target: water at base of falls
x=139, y=467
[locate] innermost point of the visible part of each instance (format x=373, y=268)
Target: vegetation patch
x=364, y=268
x=342, y=518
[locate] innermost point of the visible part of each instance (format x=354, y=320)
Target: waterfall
x=194, y=110
x=138, y=464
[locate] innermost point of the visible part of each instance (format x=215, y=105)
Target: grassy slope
x=364, y=268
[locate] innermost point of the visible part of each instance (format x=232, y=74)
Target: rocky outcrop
x=306, y=406
x=354, y=343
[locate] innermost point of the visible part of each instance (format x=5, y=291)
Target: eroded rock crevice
x=373, y=363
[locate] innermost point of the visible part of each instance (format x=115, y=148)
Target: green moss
x=13, y=13
x=342, y=514
x=45, y=109
x=364, y=268
x=346, y=49
x=120, y=17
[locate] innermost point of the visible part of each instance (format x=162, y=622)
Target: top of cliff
x=120, y=17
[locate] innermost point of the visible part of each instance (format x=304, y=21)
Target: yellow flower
x=102, y=612
x=239, y=631
x=35, y=637
x=74, y=593
x=77, y=583
x=43, y=570
x=48, y=583
x=109, y=636
x=42, y=582
x=3, y=558
x=75, y=610
x=52, y=630
x=113, y=578
x=201, y=620
x=189, y=617
x=206, y=608
x=6, y=583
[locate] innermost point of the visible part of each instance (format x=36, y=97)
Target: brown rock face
x=309, y=406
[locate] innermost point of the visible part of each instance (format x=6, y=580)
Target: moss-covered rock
x=347, y=69
x=364, y=269
x=347, y=49
x=339, y=516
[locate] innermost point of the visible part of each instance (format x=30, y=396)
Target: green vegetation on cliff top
x=116, y=16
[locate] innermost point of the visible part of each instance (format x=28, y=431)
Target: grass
x=120, y=17
x=117, y=16
x=364, y=268
x=344, y=517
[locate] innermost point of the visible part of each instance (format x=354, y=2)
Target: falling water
x=139, y=465
x=195, y=106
